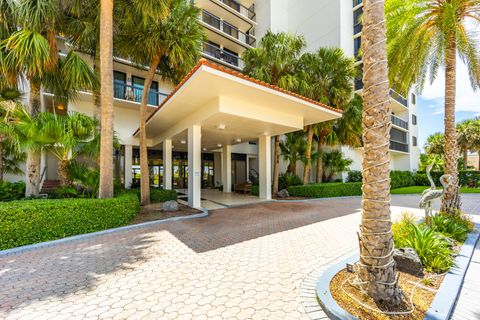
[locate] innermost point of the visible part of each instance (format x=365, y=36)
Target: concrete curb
x=442, y=305
x=46, y=244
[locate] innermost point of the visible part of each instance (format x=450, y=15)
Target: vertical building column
x=265, y=167
x=167, y=164
x=227, y=168
x=128, y=174
x=194, y=166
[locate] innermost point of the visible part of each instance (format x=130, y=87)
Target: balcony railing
x=227, y=28
x=398, y=146
x=398, y=97
x=399, y=122
x=240, y=8
x=124, y=91
x=218, y=53
x=357, y=2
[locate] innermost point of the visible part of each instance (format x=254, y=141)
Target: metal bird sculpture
x=431, y=194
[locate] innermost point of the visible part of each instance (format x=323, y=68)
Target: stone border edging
x=442, y=305
x=51, y=243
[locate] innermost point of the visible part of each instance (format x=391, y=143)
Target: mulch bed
x=422, y=297
x=154, y=212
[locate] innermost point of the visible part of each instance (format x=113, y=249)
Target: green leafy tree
x=293, y=148
x=424, y=36
x=171, y=43
x=334, y=163
x=274, y=61
x=468, y=137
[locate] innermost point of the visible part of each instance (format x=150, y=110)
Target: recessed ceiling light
x=219, y=145
x=238, y=140
x=204, y=149
x=183, y=142
x=221, y=126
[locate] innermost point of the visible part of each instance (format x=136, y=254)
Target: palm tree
x=334, y=162
x=377, y=267
x=435, y=144
x=172, y=41
x=105, y=189
x=327, y=76
x=423, y=36
x=31, y=51
x=465, y=139
x=293, y=148
x=274, y=61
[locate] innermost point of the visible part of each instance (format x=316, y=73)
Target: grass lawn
x=419, y=189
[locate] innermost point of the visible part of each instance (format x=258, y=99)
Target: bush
x=400, y=179
x=354, y=176
x=255, y=190
x=449, y=226
x=12, y=191
x=467, y=178
x=287, y=180
x=65, y=192
x=326, y=190
x=161, y=195
x=27, y=222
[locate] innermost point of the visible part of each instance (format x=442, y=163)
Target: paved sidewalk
x=238, y=263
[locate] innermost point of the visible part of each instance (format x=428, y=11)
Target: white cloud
x=467, y=98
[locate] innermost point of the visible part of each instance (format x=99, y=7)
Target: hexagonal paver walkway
x=238, y=263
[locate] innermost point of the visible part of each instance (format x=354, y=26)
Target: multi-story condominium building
x=214, y=128
x=327, y=23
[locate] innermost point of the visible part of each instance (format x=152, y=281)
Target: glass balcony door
x=138, y=84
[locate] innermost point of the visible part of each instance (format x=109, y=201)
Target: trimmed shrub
x=287, y=180
x=326, y=190
x=10, y=191
x=354, y=176
x=400, y=179
x=467, y=178
x=27, y=222
x=255, y=190
x=161, y=195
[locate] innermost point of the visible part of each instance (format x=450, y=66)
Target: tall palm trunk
x=319, y=175
x=96, y=92
x=377, y=267
x=276, y=164
x=308, y=156
x=1, y=160
x=34, y=155
x=106, y=99
x=144, y=172
x=451, y=198
x=465, y=158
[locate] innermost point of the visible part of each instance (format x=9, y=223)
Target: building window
x=119, y=84
x=414, y=119
x=357, y=44
x=357, y=23
x=357, y=2
x=414, y=98
x=414, y=141
x=138, y=89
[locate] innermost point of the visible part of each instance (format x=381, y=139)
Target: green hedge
x=10, y=191
x=255, y=190
x=326, y=190
x=161, y=195
x=468, y=178
x=31, y=221
x=400, y=179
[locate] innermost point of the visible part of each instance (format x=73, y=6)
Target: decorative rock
x=171, y=205
x=408, y=261
x=283, y=193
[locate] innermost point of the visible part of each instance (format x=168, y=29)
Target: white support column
x=128, y=166
x=265, y=167
x=194, y=165
x=167, y=164
x=227, y=168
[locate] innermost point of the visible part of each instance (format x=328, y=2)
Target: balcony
x=232, y=32
x=222, y=56
x=128, y=92
x=399, y=122
x=398, y=146
x=240, y=8
x=399, y=98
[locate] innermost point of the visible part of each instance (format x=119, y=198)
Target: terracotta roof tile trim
x=237, y=74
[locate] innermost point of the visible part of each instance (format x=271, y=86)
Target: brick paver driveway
x=239, y=263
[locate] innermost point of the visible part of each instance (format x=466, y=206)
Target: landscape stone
x=283, y=193
x=408, y=261
x=171, y=205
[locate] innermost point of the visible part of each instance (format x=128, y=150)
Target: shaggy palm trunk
x=319, y=175
x=276, y=165
x=106, y=99
x=451, y=197
x=144, y=172
x=377, y=267
x=308, y=156
x=63, y=173
x=33, y=156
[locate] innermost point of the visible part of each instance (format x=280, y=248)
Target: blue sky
x=430, y=104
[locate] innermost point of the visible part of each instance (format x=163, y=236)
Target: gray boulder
x=408, y=261
x=171, y=205
x=283, y=193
